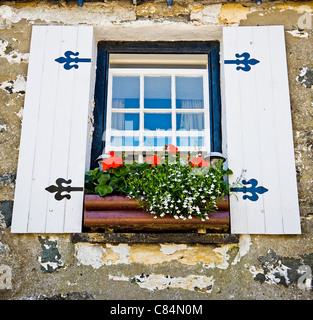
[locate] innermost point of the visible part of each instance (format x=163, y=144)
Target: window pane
x=157, y=141
x=157, y=92
x=125, y=121
x=124, y=141
x=189, y=93
x=125, y=92
x=190, y=121
x=157, y=121
x=190, y=142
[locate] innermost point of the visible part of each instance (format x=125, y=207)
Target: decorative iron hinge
x=245, y=62
x=254, y=190
x=59, y=188
x=69, y=61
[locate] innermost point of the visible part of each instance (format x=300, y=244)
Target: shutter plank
x=267, y=129
x=234, y=113
x=259, y=132
x=78, y=135
x=62, y=124
x=45, y=131
x=283, y=123
x=250, y=134
x=23, y=186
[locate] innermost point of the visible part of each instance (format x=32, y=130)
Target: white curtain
x=191, y=121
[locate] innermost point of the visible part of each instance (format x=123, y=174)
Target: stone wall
x=53, y=267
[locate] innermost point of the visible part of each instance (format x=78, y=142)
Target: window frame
x=105, y=48
x=141, y=133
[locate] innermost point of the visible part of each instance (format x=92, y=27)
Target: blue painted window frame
x=105, y=48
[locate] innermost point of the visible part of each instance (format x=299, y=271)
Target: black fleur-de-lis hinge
x=60, y=188
x=71, y=60
x=243, y=61
x=253, y=190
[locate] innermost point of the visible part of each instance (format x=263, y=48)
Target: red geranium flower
x=112, y=162
x=199, y=162
x=154, y=159
x=172, y=148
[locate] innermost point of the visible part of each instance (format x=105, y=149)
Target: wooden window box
x=118, y=213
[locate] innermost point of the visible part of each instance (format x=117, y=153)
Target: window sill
x=155, y=238
x=119, y=214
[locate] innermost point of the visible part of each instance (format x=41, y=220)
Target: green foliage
x=179, y=190
x=112, y=181
x=173, y=188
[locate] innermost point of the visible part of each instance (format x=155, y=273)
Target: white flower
x=175, y=216
x=155, y=217
x=190, y=217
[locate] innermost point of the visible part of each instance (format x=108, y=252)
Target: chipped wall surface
x=53, y=267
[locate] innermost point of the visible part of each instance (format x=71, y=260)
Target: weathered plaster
x=208, y=256
x=233, y=13
x=10, y=54
x=153, y=282
x=17, y=85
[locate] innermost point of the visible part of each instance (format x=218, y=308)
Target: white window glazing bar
x=170, y=133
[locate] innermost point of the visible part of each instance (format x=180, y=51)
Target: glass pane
x=124, y=141
x=157, y=92
x=157, y=141
x=125, y=92
x=125, y=121
x=190, y=142
x=157, y=121
x=189, y=93
x=190, y=121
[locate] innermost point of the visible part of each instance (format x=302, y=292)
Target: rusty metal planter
x=118, y=213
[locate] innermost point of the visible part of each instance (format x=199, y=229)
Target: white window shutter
x=259, y=132
x=50, y=178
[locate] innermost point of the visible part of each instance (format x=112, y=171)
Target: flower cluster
x=181, y=189
x=177, y=190
x=112, y=162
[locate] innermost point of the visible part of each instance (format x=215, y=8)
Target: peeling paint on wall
x=276, y=269
x=7, y=178
x=6, y=208
x=50, y=259
x=233, y=13
x=207, y=15
x=154, y=282
x=11, y=55
x=3, y=126
x=298, y=33
x=209, y=256
x=5, y=277
x=306, y=77
x=15, y=86
x=89, y=255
